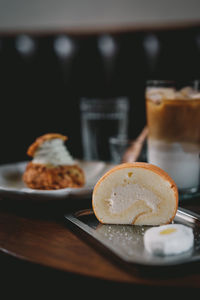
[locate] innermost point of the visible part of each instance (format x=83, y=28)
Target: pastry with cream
x=52, y=166
x=135, y=193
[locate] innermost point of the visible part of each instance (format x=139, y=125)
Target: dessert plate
x=13, y=187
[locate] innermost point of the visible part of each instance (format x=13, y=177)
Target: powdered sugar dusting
x=128, y=238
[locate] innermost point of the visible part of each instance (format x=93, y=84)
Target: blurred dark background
x=43, y=78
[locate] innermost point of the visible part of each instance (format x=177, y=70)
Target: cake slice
x=135, y=193
x=52, y=166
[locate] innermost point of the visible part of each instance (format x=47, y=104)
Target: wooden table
x=38, y=235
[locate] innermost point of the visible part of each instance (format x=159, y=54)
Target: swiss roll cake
x=135, y=193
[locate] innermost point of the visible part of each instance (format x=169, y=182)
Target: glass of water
x=101, y=119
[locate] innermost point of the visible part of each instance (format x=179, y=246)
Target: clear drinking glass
x=118, y=147
x=101, y=119
x=173, y=119
x=126, y=150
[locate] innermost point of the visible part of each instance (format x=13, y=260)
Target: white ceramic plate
x=12, y=186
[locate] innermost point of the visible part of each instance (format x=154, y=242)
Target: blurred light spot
x=64, y=46
x=25, y=45
x=151, y=45
x=107, y=45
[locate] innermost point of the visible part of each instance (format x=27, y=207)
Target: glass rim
x=121, y=103
x=102, y=99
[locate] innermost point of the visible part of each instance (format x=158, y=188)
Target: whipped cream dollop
x=53, y=152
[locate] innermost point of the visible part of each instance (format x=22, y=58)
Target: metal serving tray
x=126, y=241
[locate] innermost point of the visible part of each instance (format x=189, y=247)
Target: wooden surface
x=39, y=234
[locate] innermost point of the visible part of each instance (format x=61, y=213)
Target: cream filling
x=53, y=152
x=123, y=197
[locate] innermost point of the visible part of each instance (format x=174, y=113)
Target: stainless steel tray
x=126, y=241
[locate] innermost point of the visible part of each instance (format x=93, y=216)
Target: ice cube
x=158, y=94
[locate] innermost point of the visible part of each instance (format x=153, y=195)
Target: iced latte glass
x=173, y=118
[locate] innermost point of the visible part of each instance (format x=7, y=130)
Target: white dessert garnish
x=53, y=152
x=123, y=197
x=168, y=239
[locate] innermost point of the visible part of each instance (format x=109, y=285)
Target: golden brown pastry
x=52, y=166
